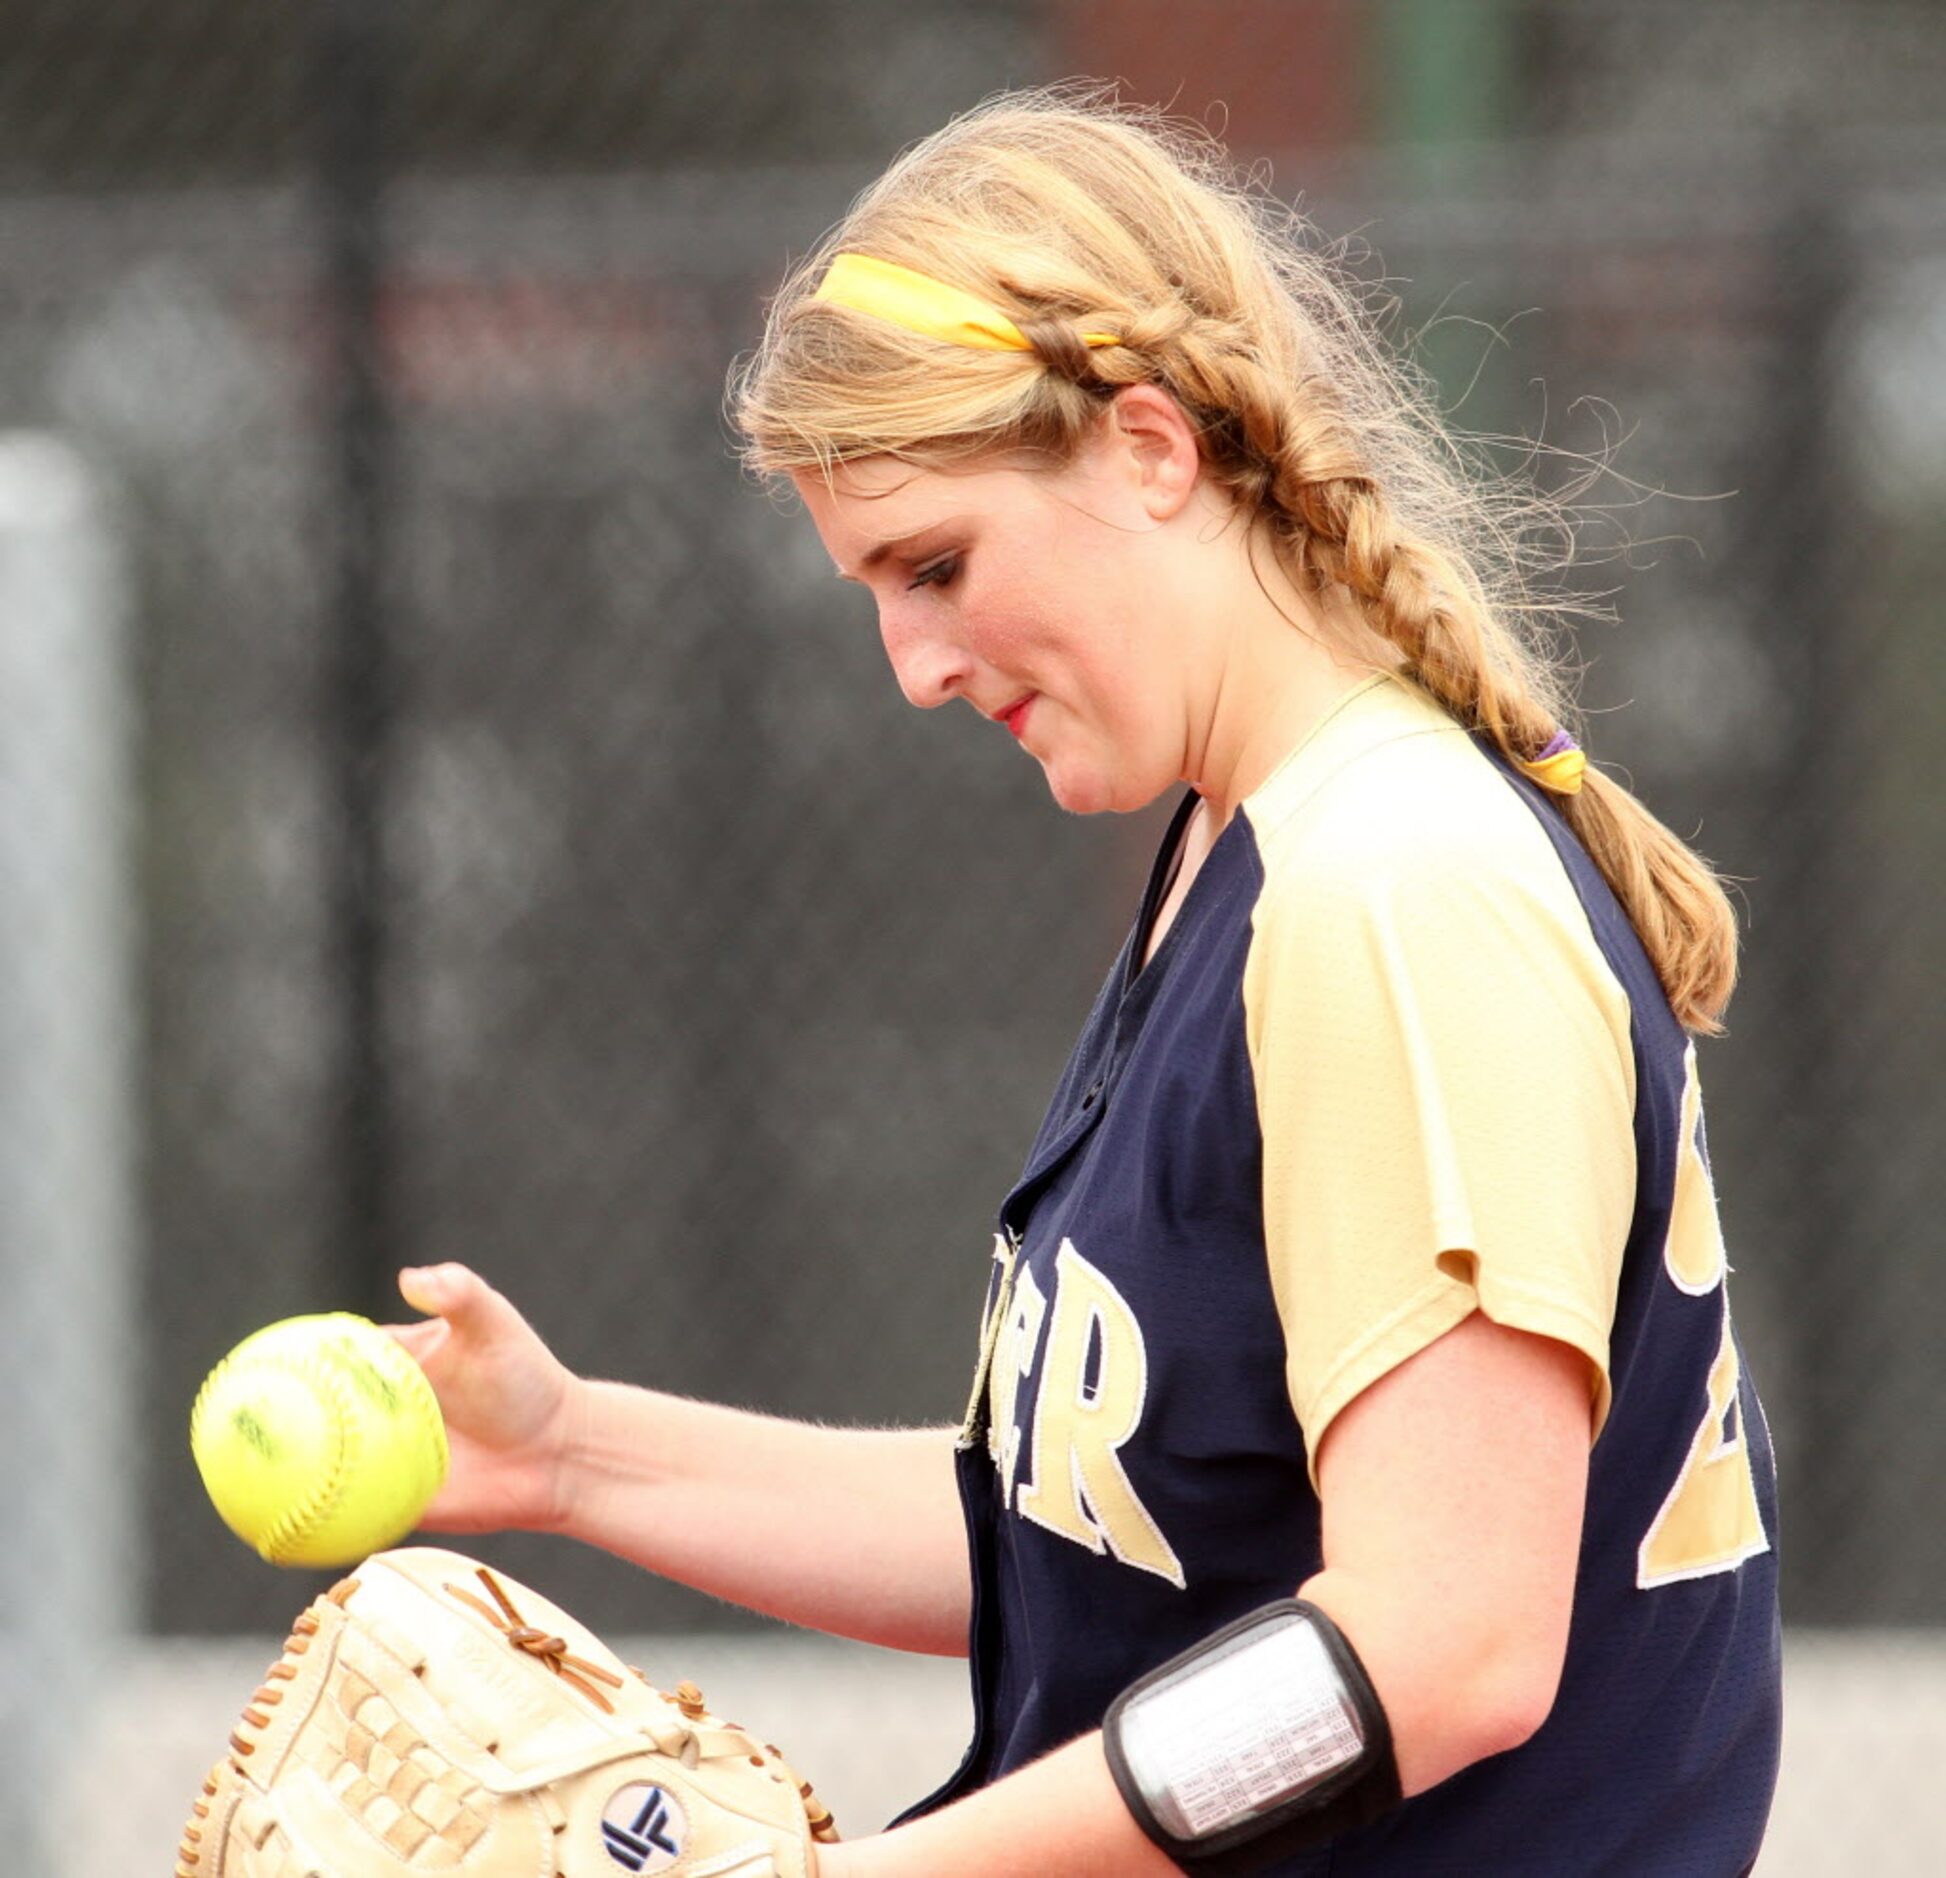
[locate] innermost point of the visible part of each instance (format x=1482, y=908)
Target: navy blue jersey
x=1399, y=1057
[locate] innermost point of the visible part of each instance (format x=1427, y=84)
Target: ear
x=1154, y=444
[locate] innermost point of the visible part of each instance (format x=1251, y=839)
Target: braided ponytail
x=1455, y=648
x=1124, y=251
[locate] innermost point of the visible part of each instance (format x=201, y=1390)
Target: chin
x=1090, y=793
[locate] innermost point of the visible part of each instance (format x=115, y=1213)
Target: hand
x=509, y=1404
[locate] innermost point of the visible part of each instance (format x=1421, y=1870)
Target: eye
x=937, y=573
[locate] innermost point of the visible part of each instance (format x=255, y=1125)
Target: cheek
x=1008, y=624
x=1052, y=629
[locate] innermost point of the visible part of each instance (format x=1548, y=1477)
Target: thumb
x=450, y=1291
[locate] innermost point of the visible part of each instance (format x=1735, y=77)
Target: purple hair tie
x=1559, y=767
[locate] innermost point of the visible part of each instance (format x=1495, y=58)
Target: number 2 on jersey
x=1711, y=1521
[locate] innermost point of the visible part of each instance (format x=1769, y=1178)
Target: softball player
x=1361, y=1473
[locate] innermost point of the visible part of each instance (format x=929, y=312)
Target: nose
x=931, y=669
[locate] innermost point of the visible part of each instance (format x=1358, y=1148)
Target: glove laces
x=553, y=1651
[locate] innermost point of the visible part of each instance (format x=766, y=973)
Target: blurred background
x=446, y=811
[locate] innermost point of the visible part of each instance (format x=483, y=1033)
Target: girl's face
x=1050, y=602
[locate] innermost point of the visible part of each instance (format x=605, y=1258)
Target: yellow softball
x=319, y=1439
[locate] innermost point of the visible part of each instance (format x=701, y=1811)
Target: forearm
x=1062, y=1814
x=853, y=1531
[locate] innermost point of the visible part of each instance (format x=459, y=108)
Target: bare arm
x=849, y=1530
x=854, y=1531
x=1453, y=1492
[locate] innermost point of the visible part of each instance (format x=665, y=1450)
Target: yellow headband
x=923, y=305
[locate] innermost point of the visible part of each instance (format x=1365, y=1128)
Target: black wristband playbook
x=1263, y=1740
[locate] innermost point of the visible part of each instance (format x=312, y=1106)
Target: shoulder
x=1408, y=885
x=1391, y=802
x=1440, y=1053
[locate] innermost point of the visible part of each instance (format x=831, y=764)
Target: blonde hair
x=1072, y=212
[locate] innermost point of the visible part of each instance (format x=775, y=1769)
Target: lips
x=1015, y=715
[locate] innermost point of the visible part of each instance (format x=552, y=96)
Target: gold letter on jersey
x=1013, y=1358
x=977, y=1425
x=1080, y=1419
x=1710, y=1521
x=1693, y=1251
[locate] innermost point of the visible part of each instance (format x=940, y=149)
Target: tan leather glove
x=430, y=1715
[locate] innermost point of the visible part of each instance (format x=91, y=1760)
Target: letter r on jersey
x=1083, y=1415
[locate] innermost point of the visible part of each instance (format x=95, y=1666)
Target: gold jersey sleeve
x=1441, y=1053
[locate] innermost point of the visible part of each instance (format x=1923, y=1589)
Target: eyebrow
x=883, y=552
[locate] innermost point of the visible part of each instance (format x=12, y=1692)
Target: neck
x=1281, y=661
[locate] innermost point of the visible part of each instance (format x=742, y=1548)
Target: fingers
x=457, y=1302
x=451, y=1291
x=464, y=1315
x=419, y=1340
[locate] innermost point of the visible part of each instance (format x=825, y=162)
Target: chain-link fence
x=498, y=838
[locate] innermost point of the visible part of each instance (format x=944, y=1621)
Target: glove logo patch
x=643, y=1827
